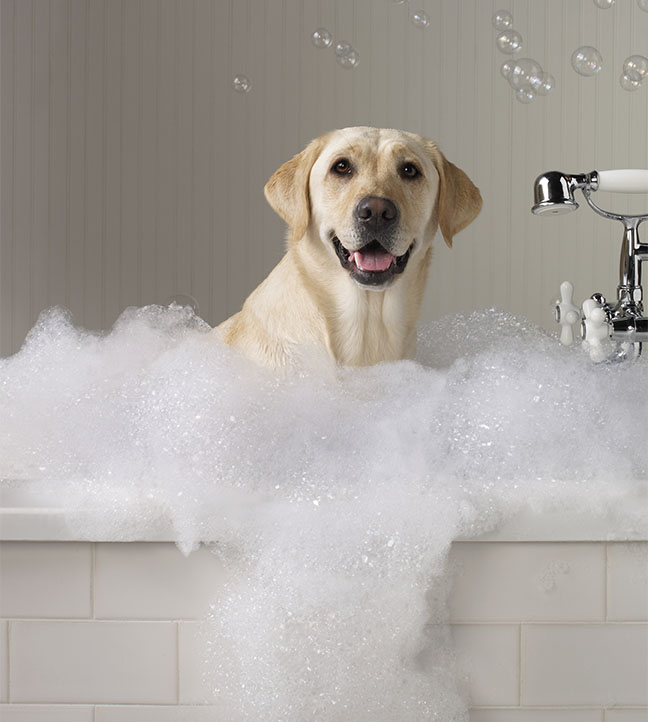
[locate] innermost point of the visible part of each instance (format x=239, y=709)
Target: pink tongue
x=373, y=260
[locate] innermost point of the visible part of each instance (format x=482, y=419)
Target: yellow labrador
x=362, y=205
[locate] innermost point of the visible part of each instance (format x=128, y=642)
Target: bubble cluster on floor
x=332, y=495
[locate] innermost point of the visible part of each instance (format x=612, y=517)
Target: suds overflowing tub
x=332, y=495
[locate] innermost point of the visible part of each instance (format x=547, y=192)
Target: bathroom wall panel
x=150, y=581
x=626, y=715
x=159, y=713
x=47, y=713
x=627, y=571
x=46, y=580
x=500, y=582
x=605, y=664
x=133, y=172
x=4, y=661
x=548, y=714
x=488, y=657
x=93, y=662
x=195, y=686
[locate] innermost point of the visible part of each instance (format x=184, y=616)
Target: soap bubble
x=604, y=4
x=506, y=68
x=502, y=20
x=509, y=42
x=349, y=60
x=525, y=73
x=629, y=84
x=342, y=48
x=322, y=38
x=586, y=60
x=636, y=67
x=643, y=5
x=547, y=84
x=183, y=300
x=399, y=2
x=420, y=19
x=525, y=95
x=241, y=83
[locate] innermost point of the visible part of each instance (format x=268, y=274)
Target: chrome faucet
x=609, y=331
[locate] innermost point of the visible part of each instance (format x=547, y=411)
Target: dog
x=362, y=206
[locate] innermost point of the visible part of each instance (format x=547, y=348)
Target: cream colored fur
x=309, y=301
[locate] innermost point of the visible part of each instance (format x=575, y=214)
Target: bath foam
x=331, y=494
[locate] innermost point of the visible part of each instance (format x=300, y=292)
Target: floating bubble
x=525, y=95
x=604, y=4
x=628, y=84
x=509, y=42
x=322, y=38
x=586, y=60
x=349, y=60
x=183, y=300
x=420, y=19
x=525, y=73
x=506, y=68
x=342, y=48
x=241, y=83
x=502, y=20
x=547, y=84
x=636, y=67
x=399, y=2
x=643, y=5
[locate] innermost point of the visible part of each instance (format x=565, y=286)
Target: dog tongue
x=373, y=259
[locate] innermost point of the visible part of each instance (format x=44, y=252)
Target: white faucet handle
x=596, y=330
x=567, y=314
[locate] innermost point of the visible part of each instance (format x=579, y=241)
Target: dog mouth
x=371, y=265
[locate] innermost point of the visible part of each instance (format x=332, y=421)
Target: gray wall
x=131, y=171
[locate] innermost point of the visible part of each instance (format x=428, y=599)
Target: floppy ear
x=287, y=189
x=459, y=199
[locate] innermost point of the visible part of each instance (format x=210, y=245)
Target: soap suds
x=332, y=495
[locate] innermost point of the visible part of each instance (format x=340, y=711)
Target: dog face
x=372, y=199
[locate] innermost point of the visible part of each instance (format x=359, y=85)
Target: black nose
x=376, y=213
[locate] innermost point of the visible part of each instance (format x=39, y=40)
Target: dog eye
x=409, y=170
x=342, y=167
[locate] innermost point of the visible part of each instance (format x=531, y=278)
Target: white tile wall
x=45, y=580
x=4, y=659
x=507, y=582
x=627, y=596
x=488, y=656
x=88, y=662
x=47, y=713
x=529, y=620
x=154, y=581
x=626, y=715
x=549, y=714
x=195, y=683
x=604, y=664
x=159, y=714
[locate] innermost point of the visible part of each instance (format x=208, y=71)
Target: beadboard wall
x=132, y=172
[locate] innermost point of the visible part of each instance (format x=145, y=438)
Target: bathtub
x=549, y=615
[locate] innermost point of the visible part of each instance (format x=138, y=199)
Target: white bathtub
x=550, y=616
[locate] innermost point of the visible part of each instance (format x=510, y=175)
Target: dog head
x=373, y=198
